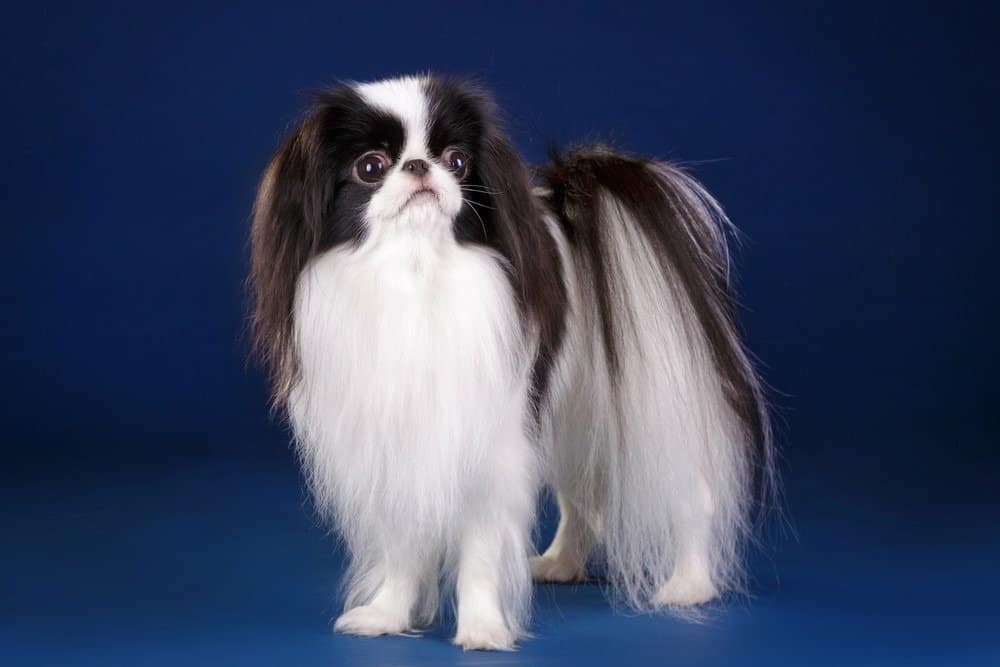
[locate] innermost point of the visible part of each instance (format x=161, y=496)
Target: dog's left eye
x=457, y=161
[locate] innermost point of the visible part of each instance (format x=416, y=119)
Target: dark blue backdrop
x=153, y=512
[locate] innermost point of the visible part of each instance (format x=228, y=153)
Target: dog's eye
x=457, y=161
x=371, y=167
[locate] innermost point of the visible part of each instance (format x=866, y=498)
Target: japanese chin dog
x=448, y=332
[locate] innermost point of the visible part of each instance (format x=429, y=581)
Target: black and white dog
x=447, y=334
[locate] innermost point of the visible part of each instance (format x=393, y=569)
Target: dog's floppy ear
x=520, y=235
x=293, y=199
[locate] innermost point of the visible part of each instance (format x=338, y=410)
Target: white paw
x=552, y=569
x=685, y=590
x=482, y=635
x=371, y=621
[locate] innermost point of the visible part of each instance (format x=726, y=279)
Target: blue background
x=152, y=512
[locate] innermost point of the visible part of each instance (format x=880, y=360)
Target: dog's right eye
x=371, y=167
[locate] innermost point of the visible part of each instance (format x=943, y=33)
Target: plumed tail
x=669, y=444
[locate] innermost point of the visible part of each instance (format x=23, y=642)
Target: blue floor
x=224, y=565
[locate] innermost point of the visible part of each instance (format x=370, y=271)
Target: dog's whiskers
x=479, y=188
x=472, y=207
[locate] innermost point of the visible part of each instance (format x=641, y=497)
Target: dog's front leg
x=494, y=579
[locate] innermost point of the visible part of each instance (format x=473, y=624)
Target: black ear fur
x=295, y=194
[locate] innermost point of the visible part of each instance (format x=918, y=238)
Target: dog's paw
x=685, y=590
x=371, y=621
x=552, y=569
x=482, y=635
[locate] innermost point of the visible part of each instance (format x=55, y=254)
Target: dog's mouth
x=423, y=194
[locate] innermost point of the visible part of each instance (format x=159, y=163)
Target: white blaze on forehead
x=405, y=99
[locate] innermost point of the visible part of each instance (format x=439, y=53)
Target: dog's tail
x=671, y=435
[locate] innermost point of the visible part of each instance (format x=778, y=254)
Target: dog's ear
x=520, y=234
x=294, y=197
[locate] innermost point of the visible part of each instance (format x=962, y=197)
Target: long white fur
x=411, y=414
x=656, y=472
x=412, y=418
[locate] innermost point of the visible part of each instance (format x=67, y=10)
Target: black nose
x=418, y=167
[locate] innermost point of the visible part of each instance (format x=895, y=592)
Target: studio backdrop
x=150, y=495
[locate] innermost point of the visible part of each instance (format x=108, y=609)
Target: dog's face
x=416, y=159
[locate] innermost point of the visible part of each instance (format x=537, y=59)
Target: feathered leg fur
x=494, y=584
x=657, y=418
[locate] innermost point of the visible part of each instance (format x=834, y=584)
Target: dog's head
x=381, y=162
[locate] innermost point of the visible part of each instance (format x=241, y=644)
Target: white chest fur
x=412, y=360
